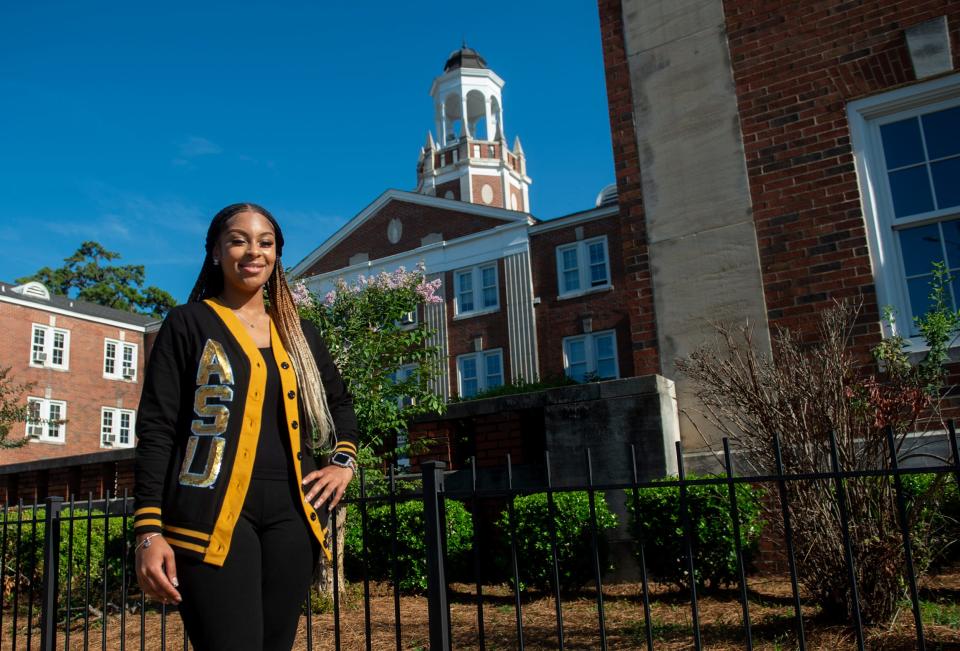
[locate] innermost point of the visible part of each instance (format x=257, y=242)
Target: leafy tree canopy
x=12, y=411
x=88, y=275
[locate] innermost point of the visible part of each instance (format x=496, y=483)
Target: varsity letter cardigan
x=199, y=422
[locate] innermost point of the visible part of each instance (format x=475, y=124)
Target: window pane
x=469, y=387
x=606, y=368
x=921, y=248
x=106, y=424
x=951, y=235
x=576, y=352
x=494, y=370
x=911, y=191
x=465, y=281
x=577, y=372
x=946, y=181
x=489, y=276
x=53, y=425
x=942, y=132
x=465, y=291
x=58, y=345
x=901, y=143
x=597, y=253
x=468, y=367
x=571, y=280
x=604, y=346
x=598, y=274
x=569, y=257
x=489, y=296
x=109, y=358
x=124, y=427
x=39, y=337
x=34, y=417
x=919, y=289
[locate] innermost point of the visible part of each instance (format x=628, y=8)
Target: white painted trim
x=510, y=216
x=574, y=219
x=75, y=315
x=481, y=363
x=476, y=278
x=45, y=417
x=447, y=255
x=864, y=116
x=48, y=333
x=583, y=266
x=593, y=290
x=590, y=351
x=118, y=360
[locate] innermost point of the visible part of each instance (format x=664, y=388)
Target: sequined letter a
x=211, y=423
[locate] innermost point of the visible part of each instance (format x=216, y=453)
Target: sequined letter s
x=211, y=423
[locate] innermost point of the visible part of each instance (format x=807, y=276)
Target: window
x=119, y=360
x=46, y=420
x=408, y=320
x=50, y=347
x=116, y=427
x=401, y=375
x=583, y=266
x=907, y=150
x=591, y=357
x=479, y=372
x=477, y=289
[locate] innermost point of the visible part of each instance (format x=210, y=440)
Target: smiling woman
x=231, y=510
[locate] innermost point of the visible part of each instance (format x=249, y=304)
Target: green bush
x=574, y=545
x=714, y=550
x=409, y=536
x=75, y=561
x=940, y=502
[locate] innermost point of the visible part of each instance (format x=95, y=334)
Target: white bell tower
x=469, y=159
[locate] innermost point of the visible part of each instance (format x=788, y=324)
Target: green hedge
x=30, y=551
x=714, y=549
x=574, y=542
x=410, y=540
x=941, y=503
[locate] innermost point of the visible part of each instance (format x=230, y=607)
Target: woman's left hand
x=329, y=483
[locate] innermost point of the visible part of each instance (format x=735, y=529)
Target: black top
x=273, y=449
x=465, y=57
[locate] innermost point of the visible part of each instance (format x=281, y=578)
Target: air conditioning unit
x=40, y=357
x=127, y=373
x=109, y=439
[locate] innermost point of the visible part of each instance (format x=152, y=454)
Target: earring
x=216, y=263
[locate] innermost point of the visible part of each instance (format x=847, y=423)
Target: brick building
x=774, y=156
x=523, y=298
x=83, y=363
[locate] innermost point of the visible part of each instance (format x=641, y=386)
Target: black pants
x=254, y=601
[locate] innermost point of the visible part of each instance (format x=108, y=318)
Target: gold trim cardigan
x=199, y=422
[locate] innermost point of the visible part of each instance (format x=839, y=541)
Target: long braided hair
x=282, y=311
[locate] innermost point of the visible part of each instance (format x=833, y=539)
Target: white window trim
x=481, y=359
x=583, y=267
x=590, y=352
x=44, y=419
x=477, y=277
x=409, y=320
x=118, y=360
x=115, y=428
x=47, y=362
x=865, y=117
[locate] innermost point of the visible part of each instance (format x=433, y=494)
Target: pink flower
x=301, y=295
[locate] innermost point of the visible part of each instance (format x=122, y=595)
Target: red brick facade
x=496, y=190
x=796, y=66
x=82, y=386
x=417, y=222
x=637, y=291
x=563, y=317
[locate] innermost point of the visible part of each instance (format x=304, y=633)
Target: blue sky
x=132, y=124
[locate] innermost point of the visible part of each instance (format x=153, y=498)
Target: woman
x=231, y=509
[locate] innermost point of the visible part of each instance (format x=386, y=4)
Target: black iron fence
x=68, y=580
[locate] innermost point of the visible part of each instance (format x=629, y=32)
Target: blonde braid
x=284, y=313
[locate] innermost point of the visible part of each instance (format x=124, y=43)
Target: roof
x=81, y=308
x=465, y=57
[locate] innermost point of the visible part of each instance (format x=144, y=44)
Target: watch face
x=341, y=459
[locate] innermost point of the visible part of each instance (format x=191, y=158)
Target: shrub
x=409, y=536
x=574, y=545
x=660, y=523
x=938, y=501
x=73, y=562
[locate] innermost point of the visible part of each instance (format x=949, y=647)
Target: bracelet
x=145, y=542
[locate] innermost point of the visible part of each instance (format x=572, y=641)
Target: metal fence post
x=51, y=569
x=437, y=609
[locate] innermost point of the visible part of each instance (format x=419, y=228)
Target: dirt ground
x=771, y=614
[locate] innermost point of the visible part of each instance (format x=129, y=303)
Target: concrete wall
x=702, y=242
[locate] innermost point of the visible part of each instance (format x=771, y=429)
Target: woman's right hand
x=157, y=569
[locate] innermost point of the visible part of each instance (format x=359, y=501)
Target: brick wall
x=558, y=318
x=496, y=187
x=637, y=292
x=449, y=186
x=82, y=386
x=796, y=66
x=79, y=476
x=417, y=220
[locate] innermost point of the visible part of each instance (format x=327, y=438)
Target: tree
x=12, y=411
x=367, y=328
x=385, y=360
x=87, y=275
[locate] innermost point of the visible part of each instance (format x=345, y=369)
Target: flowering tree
x=381, y=349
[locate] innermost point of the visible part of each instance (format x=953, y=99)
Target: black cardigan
x=199, y=422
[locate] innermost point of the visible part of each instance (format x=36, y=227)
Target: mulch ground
x=720, y=614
